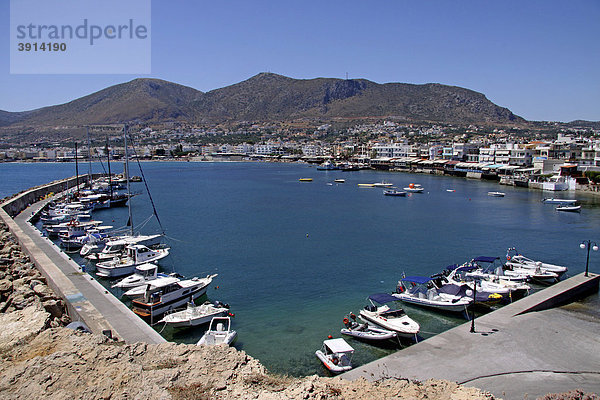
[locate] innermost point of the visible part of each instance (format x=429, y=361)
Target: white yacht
x=136, y=254
x=165, y=295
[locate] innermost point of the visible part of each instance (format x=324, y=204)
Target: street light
x=588, y=244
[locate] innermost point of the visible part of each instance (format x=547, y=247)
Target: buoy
x=329, y=337
x=307, y=235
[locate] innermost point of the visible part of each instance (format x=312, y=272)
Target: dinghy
x=336, y=355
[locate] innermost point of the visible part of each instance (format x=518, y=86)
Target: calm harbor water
x=294, y=257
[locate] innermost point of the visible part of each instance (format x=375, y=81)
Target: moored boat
x=194, y=315
x=569, y=208
x=365, y=331
x=336, y=355
x=421, y=291
x=136, y=254
x=164, y=295
x=393, y=192
x=496, y=194
x=394, y=320
x=414, y=188
x=219, y=332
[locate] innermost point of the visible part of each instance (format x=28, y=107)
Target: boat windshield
x=393, y=313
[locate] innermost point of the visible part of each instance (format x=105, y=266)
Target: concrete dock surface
x=514, y=353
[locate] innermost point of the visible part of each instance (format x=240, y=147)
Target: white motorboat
x=219, y=332
x=365, y=331
x=116, y=246
x=496, y=194
x=137, y=254
x=519, y=260
x=195, y=315
x=383, y=184
x=496, y=275
x=163, y=295
x=336, y=355
x=509, y=272
x=143, y=274
x=421, y=291
x=339, y=180
x=487, y=292
x=394, y=320
x=414, y=188
x=559, y=201
x=569, y=208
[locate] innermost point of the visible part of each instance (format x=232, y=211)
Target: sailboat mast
x=89, y=157
x=109, y=174
x=76, y=169
x=127, y=178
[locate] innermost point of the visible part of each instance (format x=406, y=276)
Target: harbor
x=331, y=310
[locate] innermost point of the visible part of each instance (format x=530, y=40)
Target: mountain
x=140, y=99
x=269, y=96
x=265, y=97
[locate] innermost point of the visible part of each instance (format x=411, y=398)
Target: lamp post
x=588, y=244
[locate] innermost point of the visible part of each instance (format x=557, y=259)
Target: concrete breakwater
x=86, y=300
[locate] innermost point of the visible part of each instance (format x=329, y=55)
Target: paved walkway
x=512, y=354
x=89, y=300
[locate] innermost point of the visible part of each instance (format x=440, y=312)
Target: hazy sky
x=540, y=59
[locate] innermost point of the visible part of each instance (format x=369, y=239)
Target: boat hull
x=328, y=363
x=437, y=305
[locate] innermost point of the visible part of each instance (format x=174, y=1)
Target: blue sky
x=540, y=59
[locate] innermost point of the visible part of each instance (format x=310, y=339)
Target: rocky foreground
x=41, y=358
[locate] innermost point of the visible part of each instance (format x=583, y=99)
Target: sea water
x=293, y=258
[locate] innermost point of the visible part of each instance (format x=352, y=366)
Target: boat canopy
x=417, y=279
x=486, y=259
x=338, y=345
x=382, y=298
x=458, y=268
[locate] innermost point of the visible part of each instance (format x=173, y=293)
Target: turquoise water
x=294, y=257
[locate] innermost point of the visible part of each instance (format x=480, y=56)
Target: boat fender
x=329, y=337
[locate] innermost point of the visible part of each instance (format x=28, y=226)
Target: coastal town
x=554, y=157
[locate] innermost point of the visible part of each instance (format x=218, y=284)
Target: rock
x=44, y=292
x=21, y=326
x=6, y=287
x=54, y=307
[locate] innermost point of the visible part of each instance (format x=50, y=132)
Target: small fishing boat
x=195, y=315
x=366, y=185
x=496, y=194
x=219, y=332
x=385, y=317
x=558, y=201
x=339, y=180
x=364, y=331
x=393, y=192
x=450, y=190
x=569, y=208
x=305, y=179
x=336, y=355
x=414, y=188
